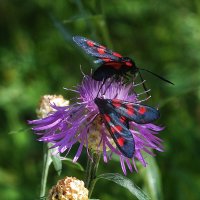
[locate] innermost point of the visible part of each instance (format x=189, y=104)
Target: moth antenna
x=160, y=77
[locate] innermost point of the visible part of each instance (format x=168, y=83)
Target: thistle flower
x=68, y=188
x=81, y=123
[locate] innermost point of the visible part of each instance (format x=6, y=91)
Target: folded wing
x=118, y=129
x=96, y=50
x=140, y=114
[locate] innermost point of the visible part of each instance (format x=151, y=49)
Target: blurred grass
x=37, y=58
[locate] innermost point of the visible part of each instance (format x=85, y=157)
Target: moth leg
x=112, y=80
x=143, y=84
x=104, y=80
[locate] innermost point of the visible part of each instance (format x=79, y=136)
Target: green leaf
x=126, y=183
x=72, y=164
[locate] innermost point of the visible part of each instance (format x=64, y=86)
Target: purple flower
x=80, y=122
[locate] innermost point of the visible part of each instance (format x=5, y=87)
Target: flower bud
x=69, y=188
x=45, y=108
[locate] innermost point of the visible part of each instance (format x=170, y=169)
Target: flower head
x=80, y=122
x=68, y=188
x=44, y=108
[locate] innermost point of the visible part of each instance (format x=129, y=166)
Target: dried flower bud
x=69, y=188
x=45, y=108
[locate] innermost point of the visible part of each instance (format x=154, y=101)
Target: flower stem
x=46, y=163
x=91, y=171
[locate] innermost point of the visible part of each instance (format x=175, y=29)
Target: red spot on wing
x=120, y=141
x=116, y=103
x=117, y=128
x=130, y=110
x=142, y=110
x=107, y=117
x=117, y=54
x=101, y=46
x=106, y=59
x=90, y=43
x=101, y=50
x=122, y=119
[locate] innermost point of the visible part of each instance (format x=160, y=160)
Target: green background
x=37, y=57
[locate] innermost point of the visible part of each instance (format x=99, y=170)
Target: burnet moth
x=111, y=63
x=117, y=114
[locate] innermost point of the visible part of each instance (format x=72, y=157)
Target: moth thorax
x=127, y=59
x=134, y=70
x=128, y=62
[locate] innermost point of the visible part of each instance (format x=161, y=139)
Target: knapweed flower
x=69, y=188
x=81, y=123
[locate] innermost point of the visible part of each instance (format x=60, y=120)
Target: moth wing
x=97, y=50
x=141, y=114
x=120, y=133
x=118, y=127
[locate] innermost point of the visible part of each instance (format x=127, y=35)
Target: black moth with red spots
x=111, y=63
x=116, y=115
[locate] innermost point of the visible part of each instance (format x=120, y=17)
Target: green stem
x=91, y=171
x=46, y=163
